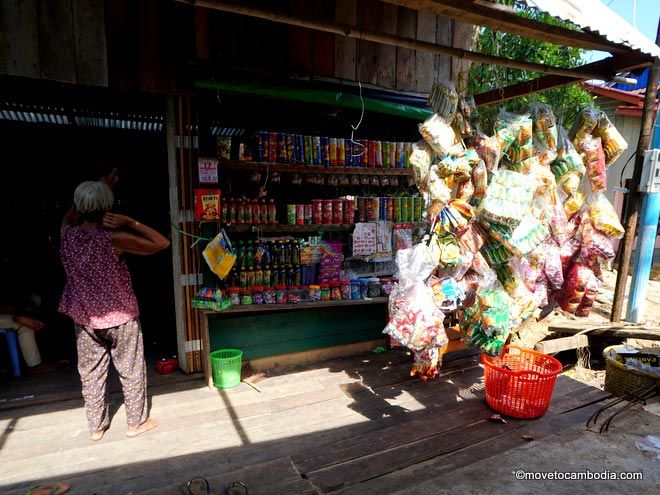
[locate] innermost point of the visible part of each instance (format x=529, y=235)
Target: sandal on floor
x=51, y=489
x=236, y=488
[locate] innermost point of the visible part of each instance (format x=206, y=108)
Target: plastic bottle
x=272, y=211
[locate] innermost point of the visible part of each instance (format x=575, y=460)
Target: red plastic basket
x=519, y=382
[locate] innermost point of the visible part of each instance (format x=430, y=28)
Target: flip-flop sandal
x=52, y=489
x=198, y=482
x=236, y=488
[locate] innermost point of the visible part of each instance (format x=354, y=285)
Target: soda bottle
x=263, y=208
x=272, y=211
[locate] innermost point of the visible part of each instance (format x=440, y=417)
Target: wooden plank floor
x=352, y=425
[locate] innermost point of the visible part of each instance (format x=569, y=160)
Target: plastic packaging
x=269, y=295
x=545, y=125
x=420, y=161
x=374, y=288
x=508, y=198
x=585, y=123
x=440, y=135
x=604, y=217
x=345, y=288
x=489, y=150
x=613, y=142
x=355, y=289
x=594, y=161
x=325, y=292
x=314, y=293
x=568, y=159
x=443, y=99
x=457, y=167
x=573, y=203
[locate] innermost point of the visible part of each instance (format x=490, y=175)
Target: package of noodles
x=613, y=142
x=456, y=167
x=480, y=182
x=489, y=150
x=443, y=99
x=593, y=157
x=508, y=197
x=440, y=135
x=420, y=160
x=568, y=159
x=604, y=217
x=585, y=123
x=573, y=203
x=595, y=243
x=545, y=125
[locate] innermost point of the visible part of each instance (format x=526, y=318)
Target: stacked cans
x=324, y=151
x=390, y=208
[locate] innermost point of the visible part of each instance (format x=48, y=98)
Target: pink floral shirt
x=98, y=291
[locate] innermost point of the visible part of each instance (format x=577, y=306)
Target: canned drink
x=371, y=158
x=348, y=153
x=393, y=155
x=262, y=146
x=341, y=152
x=349, y=211
x=317, y=211
x=272, y=147
x=308, y=214
x=399, y=157
x=281, y=147
x=379, y=154
x=290, y=151
x=362, y=208
x=316, y=150
x=308, y=144
x=382, y=208
x=325, y=151
x=407, y=153
x=300, y=214
x=411, y=207
x=327, y=210
x=419, y=208
x=332, y=151
x=397, y=209
x=390, y=209
x=291, y=214
x=337, y=210
x=405, y=212
x=386, y=154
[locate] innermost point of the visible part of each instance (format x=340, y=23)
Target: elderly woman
x=99, y=298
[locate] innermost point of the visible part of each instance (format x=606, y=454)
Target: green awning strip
x=324, y=97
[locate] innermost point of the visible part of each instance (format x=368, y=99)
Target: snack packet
x=440, y=135
x=612, y=140
x=545, y=125
x=420, y=160
x=593, y=157
x=605, y=218
x=585, y=123
x=443, y=99
x=489, y=150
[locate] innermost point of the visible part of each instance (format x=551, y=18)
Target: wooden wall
x=57, y=40
x=149, y=45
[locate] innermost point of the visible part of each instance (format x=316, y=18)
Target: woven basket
x=621, y=380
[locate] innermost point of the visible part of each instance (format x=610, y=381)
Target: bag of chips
x=568, y=159
x=585, y=123
x=508, y=198
x=463, y=118
x=594, y=243
x=456, y=167
x=577, y=278
x=545, y=125
x=420, y=160
x=480, y=182
x=465, y=190
x=604, y=217
x=573, y=203
x=594, y=161
x=440, y=135
x=489, y=150
x=613, y=142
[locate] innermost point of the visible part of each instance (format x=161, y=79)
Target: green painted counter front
x=269, y=334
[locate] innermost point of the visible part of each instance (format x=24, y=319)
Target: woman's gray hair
x=93, y=197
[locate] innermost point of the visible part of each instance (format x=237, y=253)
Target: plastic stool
x=12, y=343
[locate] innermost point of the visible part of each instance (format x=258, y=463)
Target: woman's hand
x=113, y=221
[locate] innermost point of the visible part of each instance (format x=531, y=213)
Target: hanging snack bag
x=480, y=182
x=443, y=99
x=527, y=236
x=595, y=244
x=578, y=278
x=568, y=159
x=545, y=125
x=506, y=130
x=439, y=192
x=463, y=118
x=573, y=203
x=552, y=266
x=456, y=167
x=440, y=135
x=585, y=123
x=523, y=147
x=508, y=198
x=558, y=218
x=613, y=142
x=420, y=162
x=489, y=150
x=593, y=157
x=605, y=218
x=590, y=294
x=465, y=190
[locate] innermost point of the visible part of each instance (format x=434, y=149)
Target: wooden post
x=179, y=303
x=632, y=212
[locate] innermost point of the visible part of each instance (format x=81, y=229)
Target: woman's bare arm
x=131, y=236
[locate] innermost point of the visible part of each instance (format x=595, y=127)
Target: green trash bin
x=226, y=367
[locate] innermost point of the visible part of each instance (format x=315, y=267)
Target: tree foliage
x=566, y=101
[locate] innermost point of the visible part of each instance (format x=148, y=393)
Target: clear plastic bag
x=585, y=123
x=463, y=118
x=489, y=150
x=480, y=182
x=568, y=159
x=574, y=203
x=443, y=98
x=594, y=243
x=414, y=265
x=604, y=217
x=440, y=135
x=545, y=125
x=456, y=167
x=420, y=160
x=613, y=142
x=465, y=190
x=593, y=157
x=508, y=198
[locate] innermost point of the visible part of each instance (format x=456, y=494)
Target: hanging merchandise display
x=519, y=223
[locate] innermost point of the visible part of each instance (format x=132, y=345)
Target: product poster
x=208, y=170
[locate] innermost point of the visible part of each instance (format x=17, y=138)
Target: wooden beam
x=634, y=197
x=392, y=39
x=610, y=65
x=608, y=330
x=502, y=20
x=562, y=344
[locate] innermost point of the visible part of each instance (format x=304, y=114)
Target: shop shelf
x=308, y=169
x=260, y=308
x=334, y=227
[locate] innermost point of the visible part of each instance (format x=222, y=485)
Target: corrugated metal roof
x=593, y=15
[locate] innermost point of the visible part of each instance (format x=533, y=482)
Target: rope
x=194, y=236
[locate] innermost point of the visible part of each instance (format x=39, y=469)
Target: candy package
x=585, y=123
x=568, y=159
x=604, y=217
x=454, y=218
x=415, y=320
x=420, y=162
x=545, y=125
x=440, y=135
x=613, y=142
x=446, y=292
x=425, y=365
x=594, y=161
x=443, y=99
